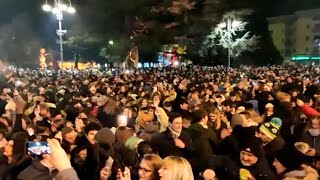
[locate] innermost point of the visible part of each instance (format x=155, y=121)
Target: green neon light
x=302, y=58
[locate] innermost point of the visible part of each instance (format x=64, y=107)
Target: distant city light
x=71, y=10
x=222, y=25
x=236, y=23
x=46, y=7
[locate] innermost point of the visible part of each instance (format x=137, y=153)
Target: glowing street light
x=111, y=42
x=58, y=8
x=229, y=23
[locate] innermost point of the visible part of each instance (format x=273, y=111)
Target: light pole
x=230, y=23
x=58, y=9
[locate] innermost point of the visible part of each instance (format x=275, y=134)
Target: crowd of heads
x=180, y=123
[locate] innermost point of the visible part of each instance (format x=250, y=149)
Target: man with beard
x=250, y=164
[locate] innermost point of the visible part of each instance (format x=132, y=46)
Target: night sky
x=9, y=8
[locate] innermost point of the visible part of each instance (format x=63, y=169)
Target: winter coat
x=11, y=171
x=164, y=144
x=273, y=147
x=227, y=168
x=205, y=142
x=312, y=141
x=67, y=174
x=36, y=171
x=306, y=173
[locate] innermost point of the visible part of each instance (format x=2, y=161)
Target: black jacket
x=227, y=168
x=36, y=171
x=164, y=144
x=205, y=142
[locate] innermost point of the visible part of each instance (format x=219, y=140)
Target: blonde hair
x=220, y=117
x=180, y=167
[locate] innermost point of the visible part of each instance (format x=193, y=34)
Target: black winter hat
x=290, y=158
x=253, y=146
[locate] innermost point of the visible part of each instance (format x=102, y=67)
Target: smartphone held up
x=35, y=148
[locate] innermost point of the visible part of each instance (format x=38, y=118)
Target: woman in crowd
x=14, y=158
x=217, y=121
x=175, y=168
x=311, y=136
x=149, y=169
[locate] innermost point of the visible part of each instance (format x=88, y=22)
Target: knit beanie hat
x=133, y=142
x=253, y=146
x=290, y=157
x=272, y=128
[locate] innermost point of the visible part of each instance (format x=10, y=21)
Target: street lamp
x=230, y=23
x=58, y=8
x=111, y=42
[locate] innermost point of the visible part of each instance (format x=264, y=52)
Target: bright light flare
x=46, y=7
x=236, y=23
x=71, y=10
x=222, y=25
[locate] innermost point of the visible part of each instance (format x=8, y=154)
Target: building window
x=308, y=26
x=307, y=38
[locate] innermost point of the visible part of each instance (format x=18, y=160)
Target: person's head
x=219, y=99
x=91, y=130
x=156, y=97
x=175, y=121
x=200, y=116
x=127, y=112
x=195, y=95
x=233, y=96
x=247, y=158
x=123, y=89
x=186, y=121
x=269, y=107
x=251, y=152
x=269, y=130
x=215, y=117
x=289, y=79
x=313, y=126
x=247, y=120
x=69, y=135
x=15, y=148
x=209, y=90
x=288, y=158
x=149, y=166
x=175, y=168
x=93, y=90
x=144, y=103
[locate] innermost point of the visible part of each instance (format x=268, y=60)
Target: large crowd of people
x=185, y=123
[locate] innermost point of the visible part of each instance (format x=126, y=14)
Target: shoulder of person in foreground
x=67, y=174
x=60, y=160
